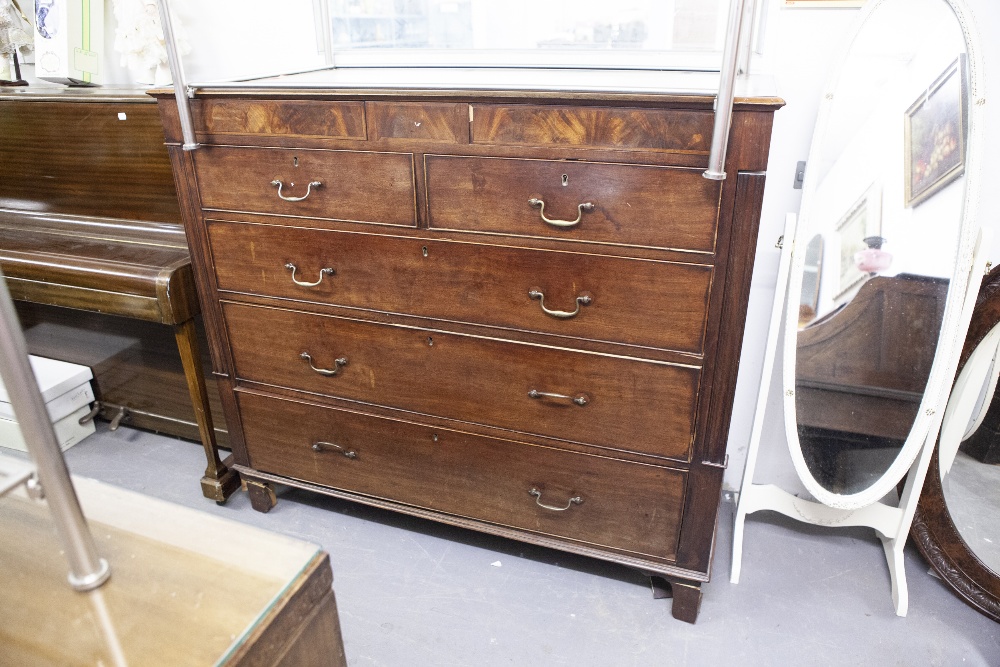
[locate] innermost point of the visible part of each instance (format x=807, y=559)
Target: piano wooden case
x=89, y=227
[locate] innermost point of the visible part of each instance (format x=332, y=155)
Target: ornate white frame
x=952, y=334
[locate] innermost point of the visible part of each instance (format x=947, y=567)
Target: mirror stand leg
x=737, y=563
x=897, y=572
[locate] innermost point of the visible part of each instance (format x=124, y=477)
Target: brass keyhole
x=424, y=251
x=430, y=341
x=565, y=180
x=434, y=437
x=295, y=161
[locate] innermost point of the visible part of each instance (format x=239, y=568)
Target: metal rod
x=177, y=72
x=87, y=570
x=324, y=30
x=724, y=101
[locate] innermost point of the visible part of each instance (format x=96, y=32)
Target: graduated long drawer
x=606, y=401
x=592, y=499
x=639, y=302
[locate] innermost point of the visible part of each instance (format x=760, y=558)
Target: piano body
x=95, y=255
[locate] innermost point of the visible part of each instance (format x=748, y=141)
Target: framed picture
x=934, y=143
x=862, y=220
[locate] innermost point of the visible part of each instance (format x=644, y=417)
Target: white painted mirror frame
x=952, y=334
x=890, y=522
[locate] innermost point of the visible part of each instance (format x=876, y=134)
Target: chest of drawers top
x=678, y=124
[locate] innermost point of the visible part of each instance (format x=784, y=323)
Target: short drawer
x=671, y=130
x=637, y=205
x=282, y=118
x=597, y=399
x=591, y=499
x=362, y=186
x=425, y=121
x=639, y=302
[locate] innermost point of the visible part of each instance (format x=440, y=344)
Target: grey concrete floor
x=414, y=593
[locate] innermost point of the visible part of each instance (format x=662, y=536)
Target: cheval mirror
x=880, y=273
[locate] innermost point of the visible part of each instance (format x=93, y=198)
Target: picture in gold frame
x=934, y=135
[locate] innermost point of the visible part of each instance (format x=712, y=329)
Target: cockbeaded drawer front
x=612, y=402
x=637, y=302
x=591, y=499
x=362, y=186
x=632, y=205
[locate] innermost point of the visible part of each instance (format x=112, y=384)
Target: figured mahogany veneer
x=593, y=127
x=458, y=357
x=424, y=121
x=344, y=120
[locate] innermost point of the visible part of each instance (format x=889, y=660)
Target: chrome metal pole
x=87, y=570
x=177, y=72
x=724, y=101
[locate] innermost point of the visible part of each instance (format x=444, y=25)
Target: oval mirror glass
x=883, y=243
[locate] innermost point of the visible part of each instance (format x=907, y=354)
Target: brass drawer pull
x=324, y=371
x=586, y=207
x=575, y=500
x=322, y=272
x=313, y=184
x=582, y=300
x=320, y=446
x=580, y=400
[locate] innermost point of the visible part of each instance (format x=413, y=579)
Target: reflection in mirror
x=971, y=481
x=811, y=271
x=885, y=203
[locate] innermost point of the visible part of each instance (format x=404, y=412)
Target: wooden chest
x=519, y=313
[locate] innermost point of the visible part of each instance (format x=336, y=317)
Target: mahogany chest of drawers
x=516, y=312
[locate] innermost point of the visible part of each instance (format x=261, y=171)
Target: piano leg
x=219, y=481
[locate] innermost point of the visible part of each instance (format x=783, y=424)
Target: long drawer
x=592, y=499
x=639, y=302
x=635, y=205
x=590, y=398
x=362, y=186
